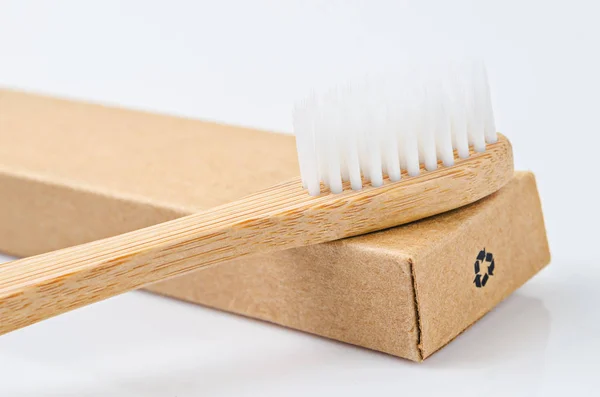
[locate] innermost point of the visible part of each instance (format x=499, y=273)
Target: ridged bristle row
x=385, y=124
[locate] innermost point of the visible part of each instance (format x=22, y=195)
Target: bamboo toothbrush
x=373, y=155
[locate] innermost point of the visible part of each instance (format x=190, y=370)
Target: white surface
x=245, y=63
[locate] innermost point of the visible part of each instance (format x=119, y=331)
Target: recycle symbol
x=484, y=268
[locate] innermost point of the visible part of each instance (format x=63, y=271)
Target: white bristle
x=382, y=126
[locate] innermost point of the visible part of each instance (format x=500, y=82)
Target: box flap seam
x=416, y=305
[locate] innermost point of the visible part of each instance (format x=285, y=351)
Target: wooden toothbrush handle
x=281, y=217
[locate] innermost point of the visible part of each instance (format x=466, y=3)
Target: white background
x=245, y=62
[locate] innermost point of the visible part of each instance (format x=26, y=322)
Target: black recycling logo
x=484, y=268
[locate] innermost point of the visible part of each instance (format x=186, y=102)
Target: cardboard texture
x=72, y=172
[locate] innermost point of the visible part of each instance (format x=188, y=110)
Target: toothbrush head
x=391, y=126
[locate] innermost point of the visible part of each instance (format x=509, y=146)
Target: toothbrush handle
x=282, y=217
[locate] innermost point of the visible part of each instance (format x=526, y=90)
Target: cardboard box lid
x=171, y=161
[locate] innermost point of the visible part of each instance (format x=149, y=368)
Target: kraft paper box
x=72, y=172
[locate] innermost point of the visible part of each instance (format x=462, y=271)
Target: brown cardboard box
x=73, y=172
